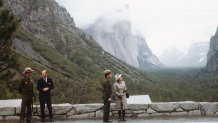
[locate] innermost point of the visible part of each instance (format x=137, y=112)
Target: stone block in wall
x=71, y=112
x=126, y=111
x=57, y=109
x=216, y=114
x=17, y=110
x=37, y=117
x=130, y=115
x=60, y=109
x=208, y=109
x=12, y=117
x=194, y=113
x=150, y=111
x=86, y=108
x=190, y=106
x=179, y=114
x=160, y=114
x=83, y=116
x=99, y=114
x=179, y=110
x=129, y=111
x=139, y=111
x=138, y=106
x=165, y=107
x=127, y=115
x=115, y=111
x=35, y=110
x=7, y=111
x=143, y=115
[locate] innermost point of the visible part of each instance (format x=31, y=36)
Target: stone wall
x=83, y=111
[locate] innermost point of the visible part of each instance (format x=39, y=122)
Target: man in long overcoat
x=107, y=93
x=25, y=88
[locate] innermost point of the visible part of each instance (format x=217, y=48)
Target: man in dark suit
x=107, y=92
x=44, y=86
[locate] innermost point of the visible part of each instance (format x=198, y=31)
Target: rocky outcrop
x=84, y=111
x=46, y=20
x=212, y=56
x=196, y=56
x=118, y=39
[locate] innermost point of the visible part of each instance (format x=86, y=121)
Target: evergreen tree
x=8, y=25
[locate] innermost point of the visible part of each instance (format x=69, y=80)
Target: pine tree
x=8, y=25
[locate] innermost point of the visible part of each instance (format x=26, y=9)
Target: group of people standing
x=120, y=91
x=25, y=88
x=45, y=85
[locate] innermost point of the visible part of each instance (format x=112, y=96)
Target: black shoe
x=119, y=119
x=28, y=121
x=43, y=119
x=51, y=120
x=21, y=121
x=124, y=119
x=108, y=121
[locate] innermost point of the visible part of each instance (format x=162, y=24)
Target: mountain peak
x=118, y=39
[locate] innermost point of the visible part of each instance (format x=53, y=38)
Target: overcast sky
x=164, y=23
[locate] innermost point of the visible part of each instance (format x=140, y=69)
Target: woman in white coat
x=120, y=91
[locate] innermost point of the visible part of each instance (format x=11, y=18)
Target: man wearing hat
x=107, y=92
x=44, y=86
x=25, y=88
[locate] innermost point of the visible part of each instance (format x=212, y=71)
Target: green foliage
x=70, y=80
x=79, y=79
x=8, y=25
x=184, y=84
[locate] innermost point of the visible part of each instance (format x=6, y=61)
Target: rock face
x=45, y=19
x=212, y=56
x=117, y=39
x=196, y=56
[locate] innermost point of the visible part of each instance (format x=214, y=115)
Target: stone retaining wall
x=82, y=111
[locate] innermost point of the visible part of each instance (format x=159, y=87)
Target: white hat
x=28, y=69
x=117, y=76
x=107, y=72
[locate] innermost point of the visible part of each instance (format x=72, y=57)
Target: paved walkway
x=169, y=120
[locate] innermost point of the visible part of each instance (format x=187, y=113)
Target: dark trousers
x=45, y=99
x=26, y=104
x=106, y=110
x=123, y=114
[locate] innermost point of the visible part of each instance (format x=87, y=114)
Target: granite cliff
x=118, y=39
x=212, y=56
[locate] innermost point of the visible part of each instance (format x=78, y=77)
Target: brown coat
x=107, y=91
x=121, y=101
x=25, y=87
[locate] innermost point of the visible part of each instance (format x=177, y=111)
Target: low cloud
x=164, y=23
